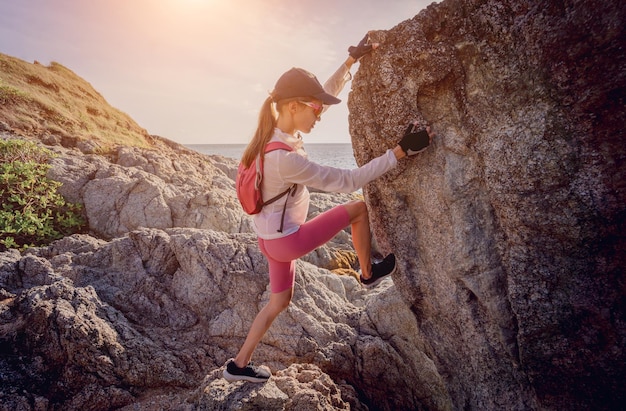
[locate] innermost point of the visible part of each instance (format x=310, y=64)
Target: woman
x=293, y=107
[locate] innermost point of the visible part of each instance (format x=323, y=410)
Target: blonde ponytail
x=263, y=134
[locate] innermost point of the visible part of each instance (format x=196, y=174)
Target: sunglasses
x=317, y=109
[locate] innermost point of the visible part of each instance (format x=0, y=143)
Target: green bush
x=32, y=213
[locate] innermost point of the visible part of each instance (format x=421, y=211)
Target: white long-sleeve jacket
x=283, y=168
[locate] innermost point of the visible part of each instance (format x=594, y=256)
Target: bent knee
x=357, y=209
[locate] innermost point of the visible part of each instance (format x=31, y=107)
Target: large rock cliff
x=510, y=228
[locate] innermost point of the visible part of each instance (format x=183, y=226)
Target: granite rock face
x=510, y=228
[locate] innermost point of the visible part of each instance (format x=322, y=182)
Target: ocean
x=334, y=155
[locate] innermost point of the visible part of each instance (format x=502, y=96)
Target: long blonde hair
x=268, y=116
x=263, y=134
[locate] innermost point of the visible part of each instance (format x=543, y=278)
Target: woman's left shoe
x=380, y=270
x=250, y=373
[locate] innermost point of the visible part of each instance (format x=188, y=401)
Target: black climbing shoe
x=380, y=270
x=250, y=373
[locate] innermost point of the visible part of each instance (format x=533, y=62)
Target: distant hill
x=36, y=100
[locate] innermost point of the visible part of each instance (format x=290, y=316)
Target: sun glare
x=193, y=2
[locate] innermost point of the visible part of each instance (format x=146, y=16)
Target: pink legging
x=281, y=253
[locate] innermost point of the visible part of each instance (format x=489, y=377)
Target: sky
x=197, y=71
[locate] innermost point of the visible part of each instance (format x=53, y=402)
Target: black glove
x=414, y=142
x=362, y=49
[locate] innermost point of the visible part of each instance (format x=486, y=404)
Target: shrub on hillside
x=33, y=213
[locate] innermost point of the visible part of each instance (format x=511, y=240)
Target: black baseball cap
x=298, y=82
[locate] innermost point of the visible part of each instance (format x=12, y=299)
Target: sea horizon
x=339, y=155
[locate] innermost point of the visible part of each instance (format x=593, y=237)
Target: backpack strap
x=272, y=146
x=277, y=145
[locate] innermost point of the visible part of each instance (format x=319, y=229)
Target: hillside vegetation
x=33, y=213
x=37, y=99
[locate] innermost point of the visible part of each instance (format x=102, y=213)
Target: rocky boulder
x=138, y=187
x=510, y=228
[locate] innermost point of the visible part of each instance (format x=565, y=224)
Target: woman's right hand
x=415, y=141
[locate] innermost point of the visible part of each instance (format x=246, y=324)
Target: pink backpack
x=249, y=184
